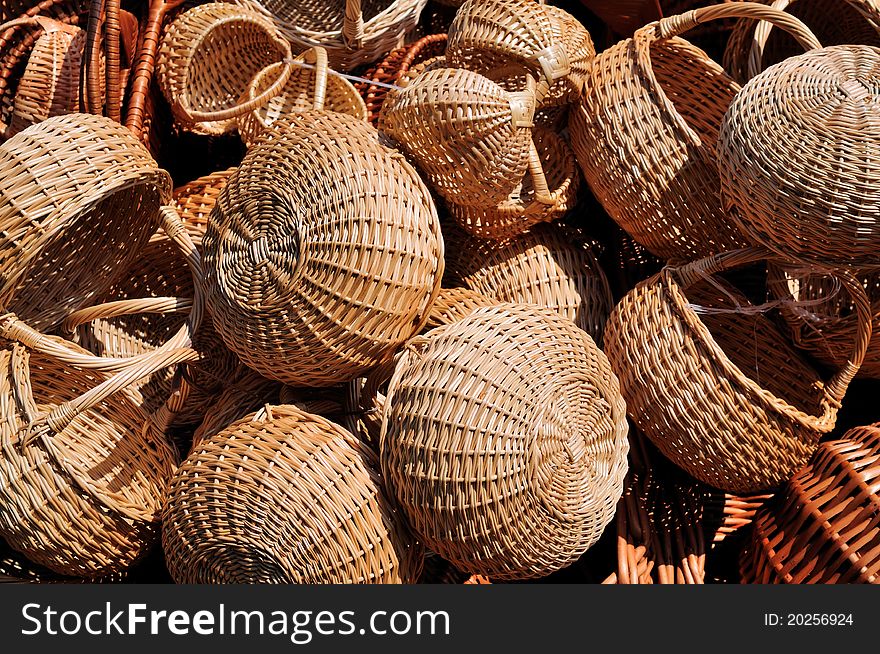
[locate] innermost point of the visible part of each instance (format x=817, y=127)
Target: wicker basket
x=822, y=318
x=323, y=250
x=825, y=528
x=546, y=41
x=721, y=392
x=788, y=190
x=504, y=439
x=391, y=69
x=79, y=198
x=646, y=131
x=322, y=516
x=209, y=55
x=472, y=138
x=308, y=88
x=353, y=32
x=81, y=498
x=751, y=47
x=548, y=266
x=455, y=303
x=50, y=83
x=521, y=209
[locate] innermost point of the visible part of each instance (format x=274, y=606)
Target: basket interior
x=322, y=15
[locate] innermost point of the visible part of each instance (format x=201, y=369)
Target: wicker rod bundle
x=208, y=56
x=308, y=88
x=353, y=32
x=645, y=133
x=799, y=156
x=504, y=439
x=471, y=137
x=825, y=528
x=320, y=516
x=548, y=266
x=751, y=47
x=323, y=253
x=721, y=392
x=522, y=208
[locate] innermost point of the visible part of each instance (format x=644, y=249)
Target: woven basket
x=521, y=209
x=504, y=439
x=472, y=138
x=821, y=316
x=646, y=130
x=195, y=201
x=209, y=55
x=392, y=68
x=307, y=89
x=825, y=528
x=453, y=304
x=751, y=47
x=244, y=394
x=546, y=41
x=353, y=32
x=789, y=190
x=79, y=198
x=548, y=266
x=81, y=498
x=50, y=83
x=323, y=251
x=721, y=392
x=322, y=516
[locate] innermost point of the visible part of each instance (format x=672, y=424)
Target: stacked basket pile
x=467, y=307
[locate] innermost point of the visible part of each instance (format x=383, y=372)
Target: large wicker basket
x=753, y=46
x=82, y=496
x=787, y=188
x=825, y=526
x=646, y=130
x=208, y=57
x=321, y=516
x=721, y=392
x=79, y=199
x=504, y=439
x=323, y=253
x=548, y=266
x=354, y=32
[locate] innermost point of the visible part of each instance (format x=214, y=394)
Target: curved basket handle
x=120, y=308
x=317, y=56
x=353, y=26
x=250, y=104
x=835, y=388
x=870, y=12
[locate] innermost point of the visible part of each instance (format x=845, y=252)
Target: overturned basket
x=694, y=389
x=323, y=253
x=322, y=516
x=825, y=526
x=504, y=439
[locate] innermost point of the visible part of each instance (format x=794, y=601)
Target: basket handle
x=671, y=26
x=836, y=387
x=120, y=308
x=869, y=10
x=353, y=26
x=248, y=105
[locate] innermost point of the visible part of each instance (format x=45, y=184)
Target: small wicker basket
x=504, y=439
x=323, y=253
x=825, y=527
x=786, y=188
x=721, y=392
x=312, y=88
x=646, y=130
x=208, y=56
x=321, y=516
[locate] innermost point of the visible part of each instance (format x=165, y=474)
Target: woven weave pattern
x=323, y=253
x=817, y=200
x=826, y=526
x=504, y=438
x=319, y=516
x=79, y=198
